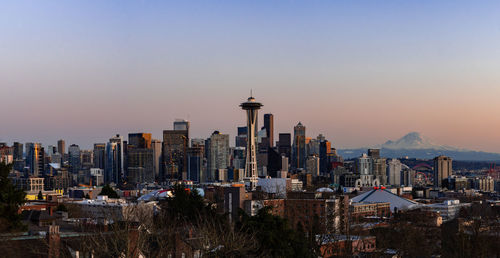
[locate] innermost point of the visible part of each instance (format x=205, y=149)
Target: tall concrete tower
x=252, y=107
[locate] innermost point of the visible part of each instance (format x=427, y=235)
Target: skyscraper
x=325, y=148
x=74, y=158
x=269, y=126
x=285, y=144
x=218, y=154
x=156, y=146
x=241, y=138
x=394, y=172
x=174, y=158
x=35, y=157
x=18, y=151
x=442, y=169
x=140, y=140
x=374, y=153
x=182, y=125
x=238, y=157
x=18, y=156
x=140, y=158
x=299, y=146
x=251, y=107
x=51, y=149
x=379, y=165
x=195, y=163
x=99, y=155
x=61, y=147
x=112, y=168
x=312, y=165
x=87, y=159
x=140, y=165
x=119, y=149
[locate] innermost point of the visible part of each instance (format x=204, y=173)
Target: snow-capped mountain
x=414, y=145
x=414, y=140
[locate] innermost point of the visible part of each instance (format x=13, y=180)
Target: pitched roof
x=382, y=195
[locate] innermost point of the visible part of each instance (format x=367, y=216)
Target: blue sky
x=360, y=72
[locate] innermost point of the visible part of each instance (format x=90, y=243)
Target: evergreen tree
x=184, y=204
x=61, y=207
x=40, y=195
x=276, y=237
x=108, y=191
x=11, y=198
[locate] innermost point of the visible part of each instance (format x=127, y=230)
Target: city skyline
x=360, y=76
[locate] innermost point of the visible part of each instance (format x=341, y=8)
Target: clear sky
x=360, y=72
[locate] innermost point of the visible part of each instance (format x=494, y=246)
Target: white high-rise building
x=156, y=146
x=312, y=165
x=219, y=154
x=394, y=172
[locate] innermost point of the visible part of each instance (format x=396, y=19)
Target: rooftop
x=382, y=195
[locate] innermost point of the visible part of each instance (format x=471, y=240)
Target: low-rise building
x=360, y=210
x=344, y=246
x=104, y=209
x=448, y=209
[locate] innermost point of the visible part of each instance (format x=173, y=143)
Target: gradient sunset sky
x=360, y=72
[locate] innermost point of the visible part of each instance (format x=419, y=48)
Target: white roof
x=382, y=195
x=55, y=165
x=324, y=189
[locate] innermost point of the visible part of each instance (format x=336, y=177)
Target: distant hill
x=414, y=145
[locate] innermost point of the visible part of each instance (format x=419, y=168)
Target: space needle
x=252, y=107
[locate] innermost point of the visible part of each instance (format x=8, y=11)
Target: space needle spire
x=251, y=106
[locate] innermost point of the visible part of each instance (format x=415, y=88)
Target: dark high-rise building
x=299, y=146
x=174, y=157
x=269, y=126
x=442, y=169
x=285, y=144
x=18, y=154
x=18, y=151
x=120, y=150
x=112, y=165
x=99, y=155
x=29, y=155
x=35, y=157
x=74, y=158
x=195, y=164
x=140, y=158
x=374, y=153
x=140, y=140
x=273, y=162
x=61, y=147
x=241, y=138
x=140, y=165
x=125, y=162
x=325, y=148
x=87, y=159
